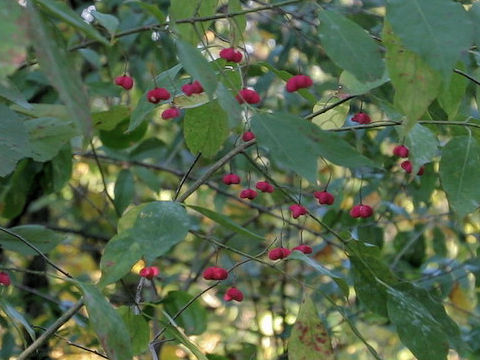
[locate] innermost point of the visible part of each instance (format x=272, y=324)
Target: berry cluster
x=402, y=151
x=361, y=118
x=232, y=55
x=149, y=272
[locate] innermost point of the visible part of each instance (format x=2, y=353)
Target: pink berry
x=297, y=210
x=421, y=170
x=361, y=210
x=298, y=82
x=355, y=211
x=264, y=186
x=324, y=197
x=278, y=253
x=401, y=151
x=149, y=272
x=304, y=249
x=4, y=279
x=407, y=166
x=215, y=273
x=170, y=113
x=124, y=81
x=361, y=118
x=232, y=55
x=247, y=136
x=248, y=96
x=193, y=88
x=158, y=94
x=248, y=194
x=233, y=294
x=229, y=179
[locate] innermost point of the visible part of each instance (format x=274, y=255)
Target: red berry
x=298, y=82
x=400, y=151
x=124, y=81
x=355, y=211
x=278, y=253
x=233, y=294
x=324, y=197
x=158, y=94
x=232, y=55
x=247, y=136
x=187, y=89
x=304, y=249
x=421, y=170
x=361, y=210
x=215, y=273
x=193, y=88
x=248, y=96
x=229, y=179
x=297, y=210
x=361, y=118
x=4, y=279
x=149, y=272
x=264, y=186
x=248, y=194
x=170, y=113
x=407, y=166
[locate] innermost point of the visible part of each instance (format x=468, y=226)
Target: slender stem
x=103, y=177
x=330, y=107
x=185, y=177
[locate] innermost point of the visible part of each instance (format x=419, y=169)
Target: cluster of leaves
x=81, y=156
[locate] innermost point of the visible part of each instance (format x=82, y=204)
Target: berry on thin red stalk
x=401, y=151
x=149, y=272
x=248, y=194
x=4, y=279
x=361, y=210
x=361, y=118
x=248, y=96
x=232, y=55
x=215, y=273
x=124, y=81
x=247, y=136
x=158, y=94
x=170, y=113
x=229, y=179
x=265, y=186
x=324, y=197
x=297, y=210
x=298, y=82
x=233, y=294
x=304, y=249
x=278, y=253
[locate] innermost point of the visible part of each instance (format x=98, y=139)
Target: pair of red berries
x=297, y=210
x=193, y=88
x=233, y=294
x=263, y=186
x=149, y=272
x=403, y=152
x=324, y=197
x=248, y=96
x=215, y=273
x=124, y=81
x=361, y=210
x=281, y=253
x=361, y=118
x=232, y=55
x=171, y=113
x=4, y=279
x=298, y=82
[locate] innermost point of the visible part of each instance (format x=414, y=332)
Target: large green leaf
x=138, y=329
x=352, y=86
x=196, y=64
x=460, y=174
x=205, y=129
x=475, y=16
x=149, y=230
x=109, y=119
x=193, y=320
x=48, y=136
x=350, y=47
x=437, y=30
x=332, y=119
x=423, y=146
x=38, y=235
x=124, y=190
x=15, y=146
x=16, y=317
x=229, y=104
x=309, y=338
x=11, y=93
x=416, y=84
x=108, y=21
x=52, y=56
x=44, y=110
x=174, y=332
x=107, y=323
x=452, y=96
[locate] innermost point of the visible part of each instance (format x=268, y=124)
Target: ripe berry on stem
x=229, y=179
x=278, y=253
x=247, y=136
x=248, y=96
x=149, y=272
x=361, y=210
x=232, y=55
x=264, y=186
x=361, y=118
x=170, y=113
x=298, y=82
x=193, y=88
x=248, y=194
x=401, y=151
x=158, y=94
x=233, y=294
x=215, y=273
x=124, y=81
x=297, y=210
x=324, y=197
x=4, y=279
x=408, y=167
x=304, y=249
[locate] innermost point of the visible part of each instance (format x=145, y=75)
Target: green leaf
x=193, y=320
x=52, y=57
x=107, y=323
x=226, y=222
x=437, y=30
x=309, y=338
x=230, y=105
x=108, y=120
x=48, y=136
x=173, y=331
x=16, y=317
x=452, y=96
x=475, y=17
x=15, y=146
x=138, y=329
x=332, y=119
x=12, y=94
x=153, y=9
x=205, y=129
x=416, y=84
x=352, y=86
x=57, y=172
x=460, y=174
x=422, y=145
x=121, y=138
x=144, y=107
x=108, y=21
x=238, y=23
x=44, y=239
x=410, y=309
x=124, y=190
x=196, y=64
x=350, y=47
x=44, y=110
x=149, y=230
